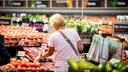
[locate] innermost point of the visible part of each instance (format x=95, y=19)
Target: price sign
x=122, y=3
x=15, y=3
x=59, y=3
x=21, y=53
x=94, y=3
x=5, y=21
x=113, y=60
x=120, y=28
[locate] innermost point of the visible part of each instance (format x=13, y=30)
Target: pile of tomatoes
x=24, y=64
x=20, y=35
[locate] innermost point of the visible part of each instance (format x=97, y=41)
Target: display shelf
x=86, y=11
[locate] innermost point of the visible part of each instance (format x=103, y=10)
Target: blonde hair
x=56, y=21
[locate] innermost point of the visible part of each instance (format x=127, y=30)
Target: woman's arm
x=46, y=54
x=49, y=52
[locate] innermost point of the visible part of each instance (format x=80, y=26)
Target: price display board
x=15, y=3
x=118, y=3
x=120, y=28
x=94, y=3
x=59, y=3
x=5, y=21
x=122, y=3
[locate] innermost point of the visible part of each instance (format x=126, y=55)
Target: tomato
x=28, y=64
x=36, y=64
x=43, y=68
x=32, y=64
x=12, y=59
x=33, y=68
x=14, y=63
x=38, y=68
x=18, y=61
x=23, y=68
x=23, y=64
x=29, y=68
x=18, y=68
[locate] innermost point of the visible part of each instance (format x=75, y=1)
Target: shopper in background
x=4, y=55
x=59, y=46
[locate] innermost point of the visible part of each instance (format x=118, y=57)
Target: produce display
x=109, y=20
x=82, y=26
x=82, y=64
x=93, y=18
x=91, y=24
x=23, y=64
x=8, y=67
x=4, y=15
x=19, y=35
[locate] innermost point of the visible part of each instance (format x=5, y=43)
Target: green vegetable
x=114, y=70
x=116, y=66
x=108, y=67
x=120, y=65
x=124, y=68
x=100, y=68
x=73, y=64
x=84, y=65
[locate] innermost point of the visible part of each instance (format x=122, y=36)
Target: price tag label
x=113, y=60
x=4, y=21
x=61, y=1
x=21, y=53
x=120, y=28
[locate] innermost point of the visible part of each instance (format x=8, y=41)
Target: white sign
x=21, y=53
x=113, y=60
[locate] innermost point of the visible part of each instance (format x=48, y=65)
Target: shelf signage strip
x=120, y=28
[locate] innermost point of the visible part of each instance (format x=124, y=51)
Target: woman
x=59, y=46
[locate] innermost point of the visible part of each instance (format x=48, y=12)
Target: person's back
x=4, y=55
x=63, y=50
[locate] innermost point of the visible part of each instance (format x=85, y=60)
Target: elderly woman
x=59, y=46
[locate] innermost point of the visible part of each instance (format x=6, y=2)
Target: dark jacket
x=4, y=55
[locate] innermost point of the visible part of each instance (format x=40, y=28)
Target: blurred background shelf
x=87, y=11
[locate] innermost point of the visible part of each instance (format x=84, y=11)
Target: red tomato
x=18, y=68
x=37, y=64
x=33, y=68
x=23, y=68
x=28, y=64
x=38, y=68
x=29, y=68
x=43, y=68
x=23, y=64
x=18, y=61
x=32, y=64
x=14, y=63
x=13, y=59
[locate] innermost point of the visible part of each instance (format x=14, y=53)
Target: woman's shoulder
x=54, y=34
x=71, y=29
